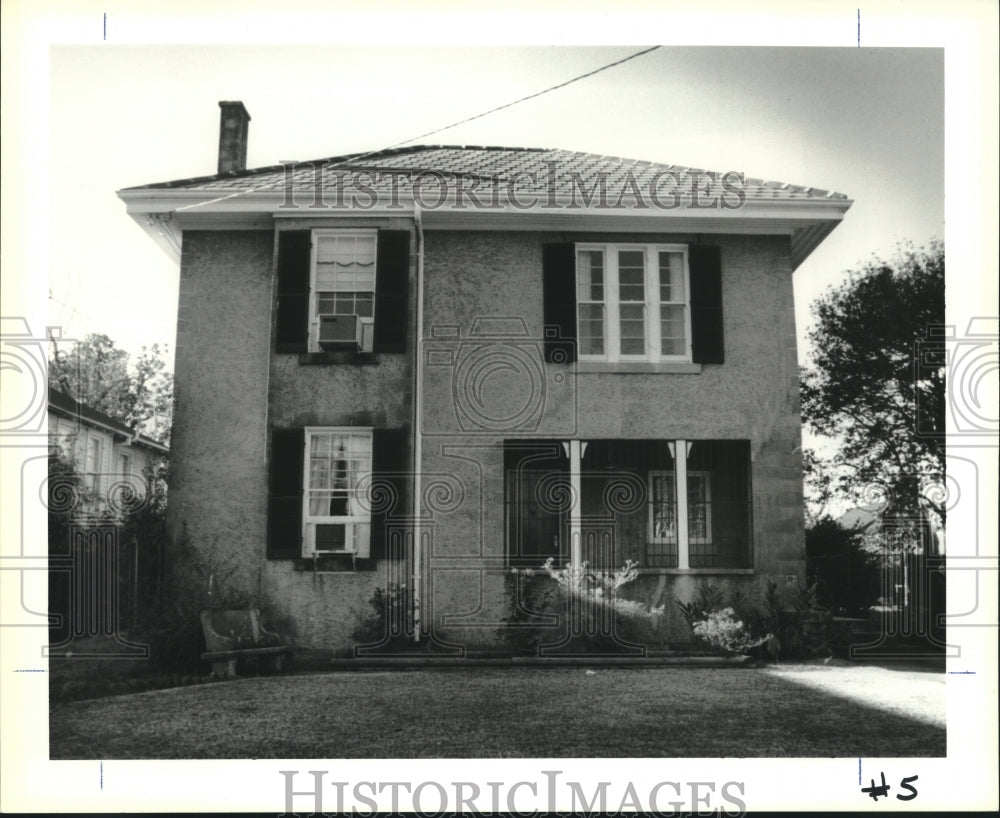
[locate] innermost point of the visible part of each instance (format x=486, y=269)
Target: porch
x=668, y=505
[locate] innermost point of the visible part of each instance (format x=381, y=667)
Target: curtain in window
x=337, y=463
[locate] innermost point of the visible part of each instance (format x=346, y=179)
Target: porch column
x=575, y=532
x=681, y=448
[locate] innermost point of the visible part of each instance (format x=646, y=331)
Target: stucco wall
x=231, y=387
x=752, y=396
x=218, y=483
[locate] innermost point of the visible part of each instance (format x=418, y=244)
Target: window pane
x=590, y=330
x=664, y=508
x=590, y=275
x=631, y=275
x=633, y=328
x=337, y=463
x=696, y=488
x=697, y=522
x=671, y=277
x=699, y=512
x=345, y=303
x=345, y=273
x=673, y=333
x=631, y=260
x=673, y=347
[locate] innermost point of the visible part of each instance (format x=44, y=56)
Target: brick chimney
x=233, y=127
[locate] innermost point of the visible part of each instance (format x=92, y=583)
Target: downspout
x=417, y=426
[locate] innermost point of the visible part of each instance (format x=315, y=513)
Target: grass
x=520, y=712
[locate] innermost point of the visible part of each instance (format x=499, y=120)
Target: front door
x=537, y=522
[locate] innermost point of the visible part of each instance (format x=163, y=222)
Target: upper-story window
x=632, y=302
x=342, y=286
x=342, y=290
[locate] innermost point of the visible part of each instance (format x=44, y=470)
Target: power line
x=358, y=157
x=98, y=322
x=519, y=101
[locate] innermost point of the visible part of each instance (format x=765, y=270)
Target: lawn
x=520, y=712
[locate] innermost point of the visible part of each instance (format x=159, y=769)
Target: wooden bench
x=237, y=634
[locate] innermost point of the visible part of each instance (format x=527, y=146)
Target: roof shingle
x=558, y=172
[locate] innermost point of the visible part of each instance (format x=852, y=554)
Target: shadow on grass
x=536, y=712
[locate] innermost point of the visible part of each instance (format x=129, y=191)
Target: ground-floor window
x=336, y=514
x=332, y=492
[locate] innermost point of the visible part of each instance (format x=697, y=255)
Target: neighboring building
x=924, y=535
x=401, y=367
x=107, y=454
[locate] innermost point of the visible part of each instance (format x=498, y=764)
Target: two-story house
x=430, y=365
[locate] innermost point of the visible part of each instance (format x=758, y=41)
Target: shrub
x=722, y=630
x=797, y=620
x=789, y=623
x=708, y=598
x=528, y=592
x=144, y=528
x=599, y=618
x=388, y=625
x=197, y=580
x=846, y=574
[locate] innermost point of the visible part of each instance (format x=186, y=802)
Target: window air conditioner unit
x=340, y=332
x=331, y=538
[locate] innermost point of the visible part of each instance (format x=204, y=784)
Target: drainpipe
x=417, y=436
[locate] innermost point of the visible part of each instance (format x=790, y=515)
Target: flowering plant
x=601, y=587
x=722, y=630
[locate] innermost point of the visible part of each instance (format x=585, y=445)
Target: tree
x=870, y=389
x=845, y=574
x=138, y=393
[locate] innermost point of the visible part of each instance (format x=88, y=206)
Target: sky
x=868, y=123
x=865, y=122
x=98, y=96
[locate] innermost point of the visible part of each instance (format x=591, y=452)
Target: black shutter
x=390, y=466
x=284, y=518
x=706, y=304
x=294, y=251
x=559, y=293
x=392, y=277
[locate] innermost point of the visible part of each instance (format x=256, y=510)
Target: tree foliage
x=869, y=388
x=138, y=392
x=845, y=573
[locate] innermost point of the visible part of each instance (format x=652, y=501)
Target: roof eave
x=165, y=213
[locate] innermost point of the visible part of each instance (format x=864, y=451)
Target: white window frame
x=704, y=476
x=94, y=475
x=354, y=523
x=652, y=315
x=368, y=330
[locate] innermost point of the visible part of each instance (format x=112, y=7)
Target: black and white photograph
x=431, y=410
